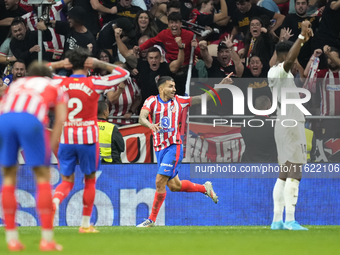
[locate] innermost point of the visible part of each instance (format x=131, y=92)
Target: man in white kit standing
x=290, y=141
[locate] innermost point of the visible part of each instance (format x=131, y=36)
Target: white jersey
x=279, y=78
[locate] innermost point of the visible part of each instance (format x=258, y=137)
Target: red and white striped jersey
x=25, y=5
x=34, y=95
x=168, y=114
x=58, y=40
x=125, y=100
x=330, y=92
x=84, y=92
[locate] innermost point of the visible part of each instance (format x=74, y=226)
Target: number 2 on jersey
x=79, y=107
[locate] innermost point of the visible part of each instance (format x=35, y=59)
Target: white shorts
x=291, y=143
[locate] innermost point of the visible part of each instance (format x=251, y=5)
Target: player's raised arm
x=118, y=74
x=65, y=63
x=197, y=99
x=93, y=63
x=306, y=33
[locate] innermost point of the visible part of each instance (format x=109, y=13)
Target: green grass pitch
x=186, y=240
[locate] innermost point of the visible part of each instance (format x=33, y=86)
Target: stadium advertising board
x=125, y=194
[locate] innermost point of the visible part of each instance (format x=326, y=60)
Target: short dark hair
x=253, y=56
x=164, y=79
x=242, y=1
x=306, y=0
x=78, y=57
x=173, y=4
x=102, y=107
x=154, y=49
x=283, y=47
x=257, y=18
x=39, y=69
x=17, y=21
x=175, y=16
x=20, y=61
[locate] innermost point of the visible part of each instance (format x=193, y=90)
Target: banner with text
x=125, y=193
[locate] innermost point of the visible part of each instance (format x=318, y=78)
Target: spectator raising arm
x=222, y=18
x=330, y=55
x=6, y=21
x=100, y=8
x=239, y=67
x=317, y=53
x=335, y=5
x=176, y=64
x=279, y=19
x=121, y=46
x=207, y=58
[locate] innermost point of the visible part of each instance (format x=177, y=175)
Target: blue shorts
x=169, y=160
x=26, y=131
x=86, y=154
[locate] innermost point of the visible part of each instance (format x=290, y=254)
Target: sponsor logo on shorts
x=166, y=170
x=163, y=164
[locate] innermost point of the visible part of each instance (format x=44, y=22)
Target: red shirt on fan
x=169, y=114
x=330, y=91
x=170, y=45
x=34, y=95
x=81, y=124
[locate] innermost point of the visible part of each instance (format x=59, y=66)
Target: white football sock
x=85, y=223
x=279, y=201
x=291, y=195
x=56, y=201
x=47, y=234
x=11, y=235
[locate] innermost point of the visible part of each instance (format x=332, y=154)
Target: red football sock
x=88, y=197
x=157, y=204
x=188, y=186
x=62, y=190
x=44, y=205
x=9, y=205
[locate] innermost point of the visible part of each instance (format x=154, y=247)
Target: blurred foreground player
x=23, y=111
x=290, y=141
x=79, y=140
x=165, y=112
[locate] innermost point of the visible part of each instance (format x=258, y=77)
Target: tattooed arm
x=143, y=120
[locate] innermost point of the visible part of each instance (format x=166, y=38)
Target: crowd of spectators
x=155, y=38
